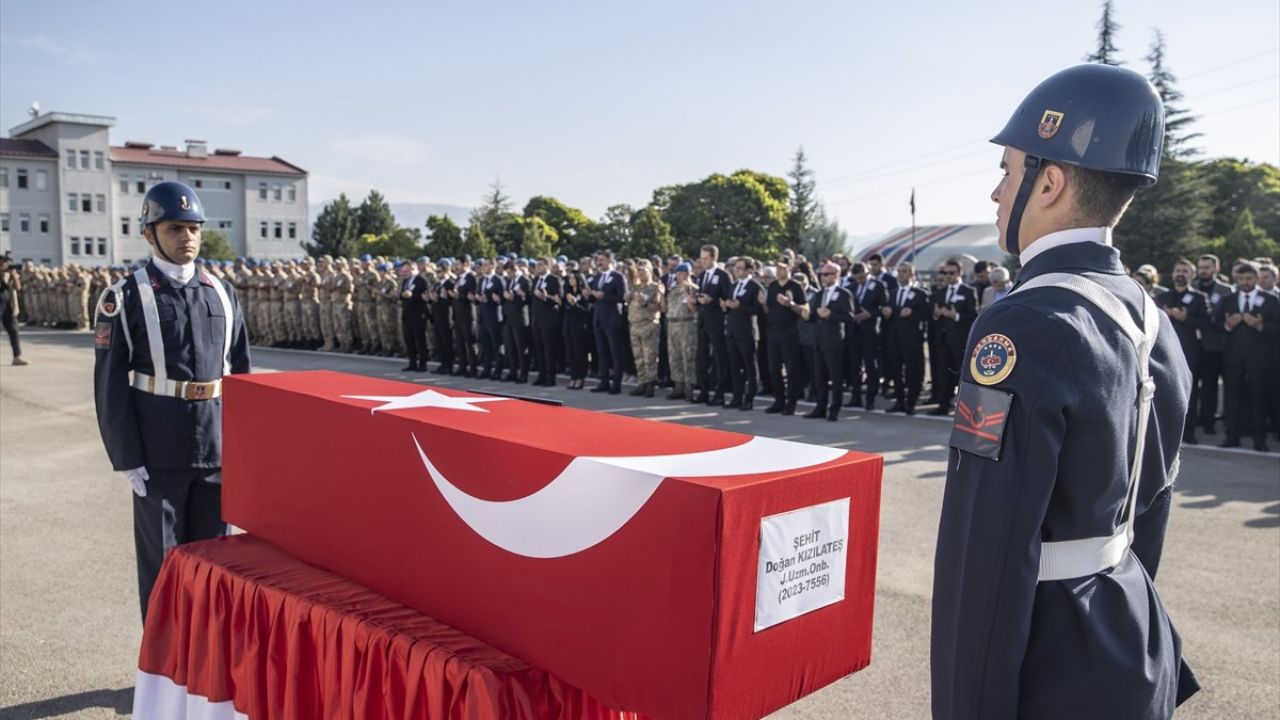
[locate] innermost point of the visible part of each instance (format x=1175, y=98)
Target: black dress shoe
x=747, y=405
x=773, y=409
x=408, y=368
x=1230, y=442
x=484, y=375
x=600, y=388
x=649, y=389
x=1261, y=446
x=1209, y=429
x=833, y=416
x=940, y=411
x=789, y=409
x=911, y=410
x=699, y=399
x=1190, y=439
x=871, y=402
x=855, y=402
x=896, y=408
x=422, y=368
x=615, y=390
x=442, y=370
x=816, y=413
x=731, y=402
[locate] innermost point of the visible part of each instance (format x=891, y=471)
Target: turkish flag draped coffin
x=672, y=571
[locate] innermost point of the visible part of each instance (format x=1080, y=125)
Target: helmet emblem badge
x=187, y=206
x=1049, y=124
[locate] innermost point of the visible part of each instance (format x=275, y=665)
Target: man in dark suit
x=440, y=300
x=905, y=318
x=413, y=315
x=877, y=270
x=546, y=322
x=464, y=295
x=742, y=307
x=489, y=298
x=609, y=323
x=1251, y=318
x=784, y=303
x=1212, y=339
x=955, y=307
x=868, y=296
x=831, y=310
x=1188, y=310
x=515, y=297
x=712, y=355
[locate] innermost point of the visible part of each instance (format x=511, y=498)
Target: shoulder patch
x=981, y=415
x=102, y=335
x=993, y=359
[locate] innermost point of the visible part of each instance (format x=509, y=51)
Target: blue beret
x=684, y=267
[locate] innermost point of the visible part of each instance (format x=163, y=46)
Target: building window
x=224, y=224
x=84, y=159
x=293, y=231
x=24, y=223
x=124, y=226
x=262, y=191
x=4, y=222
x=102, y=202
x=293, y=193
x=279, y=230
x=277, y=193
x=102, y=247
x=142, y=186
x=124, y=185
x=4, y=177
x=42, y=179
x=226, y=184
x=71, y=159
x=44, y=224
x=262, y=230
x=75, y=246
x=73, y=202
x=86, y=203
x=22, y=178
x=99, y=161
x=199, y=183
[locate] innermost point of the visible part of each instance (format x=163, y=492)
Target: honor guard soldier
x=165, y=337
x=1065, y=442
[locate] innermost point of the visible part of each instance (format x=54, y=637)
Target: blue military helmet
x=684, y=267
x=1097, y=117
x=171, y=201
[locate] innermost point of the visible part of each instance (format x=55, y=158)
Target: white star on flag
x=424, y=399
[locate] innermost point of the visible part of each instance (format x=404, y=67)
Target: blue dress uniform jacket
x=140, y=429
x=1100, y=646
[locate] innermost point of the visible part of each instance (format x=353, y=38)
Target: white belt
x=183, y=389
x=1067, y=559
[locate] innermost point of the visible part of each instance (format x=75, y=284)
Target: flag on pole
x=913, y=202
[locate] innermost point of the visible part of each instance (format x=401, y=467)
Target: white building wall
x=38, y=207
x=83, y=171
x=276, y=215
x=129, y=185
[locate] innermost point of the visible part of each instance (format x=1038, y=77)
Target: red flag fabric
x=625, y=556
x=239, y=629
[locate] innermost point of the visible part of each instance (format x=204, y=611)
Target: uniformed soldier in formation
x=644, y=307
x=681, y=309
x=1066, y=436
x=341, y=289
x=464, y=334
x=441, y=308
x=165, y=336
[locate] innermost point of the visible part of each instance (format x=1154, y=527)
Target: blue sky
x=600, y=102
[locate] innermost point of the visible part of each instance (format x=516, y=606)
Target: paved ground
x=69, y=628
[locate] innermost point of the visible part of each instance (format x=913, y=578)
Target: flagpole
x=913, y=227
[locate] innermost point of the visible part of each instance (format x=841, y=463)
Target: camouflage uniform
x=293, y=305
x=682, y=339
x=327, y=276
x=311, y=305
x=388, y=295
x=340, y=291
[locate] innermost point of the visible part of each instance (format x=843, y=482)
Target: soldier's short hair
x=1101, y=197
x=1245, y=267
x=858, y=268
x=1213, y=259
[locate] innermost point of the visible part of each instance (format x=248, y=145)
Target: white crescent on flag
x=595, y=496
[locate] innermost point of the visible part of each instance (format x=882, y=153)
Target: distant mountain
x=414, y=214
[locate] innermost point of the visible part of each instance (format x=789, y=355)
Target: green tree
x=374, y=216
x=1107, y=29
x=615, y=227
x=568, y=222
x=401, y=242
x=1237, y=185
x=743, y=213
x=800, y=213
x=445, y=237
x=475, y=243
x=1177, y=120
x=334, y=232
x=650, y=235
x=494, y=212
x=1246, y=241
x=540, y=238
x=823, y=238
x=214, y=245
x=1166, y=220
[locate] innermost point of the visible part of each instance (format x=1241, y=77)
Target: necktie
x=902, y=295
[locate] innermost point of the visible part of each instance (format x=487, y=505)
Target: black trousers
x=953, y=354
x=1210, y=373
x=11, y=328
x=828, y=375
x=906, y=359
x=1248, y=394
x=937, y=367
x=762, y=363
x=742, y=369
x=513, y=343
x=611, y=349
x=664, y=354
x=465, y=344
x=413, y=325
x=711, y=358
x=443, y=334
x=577, y=342
x=866, y=358
x=181, y=506
x=1193, y=406
x=784, y=353
x=546, y=340
x=490, y=344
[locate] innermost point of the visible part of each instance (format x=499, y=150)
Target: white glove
x=138, y=478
